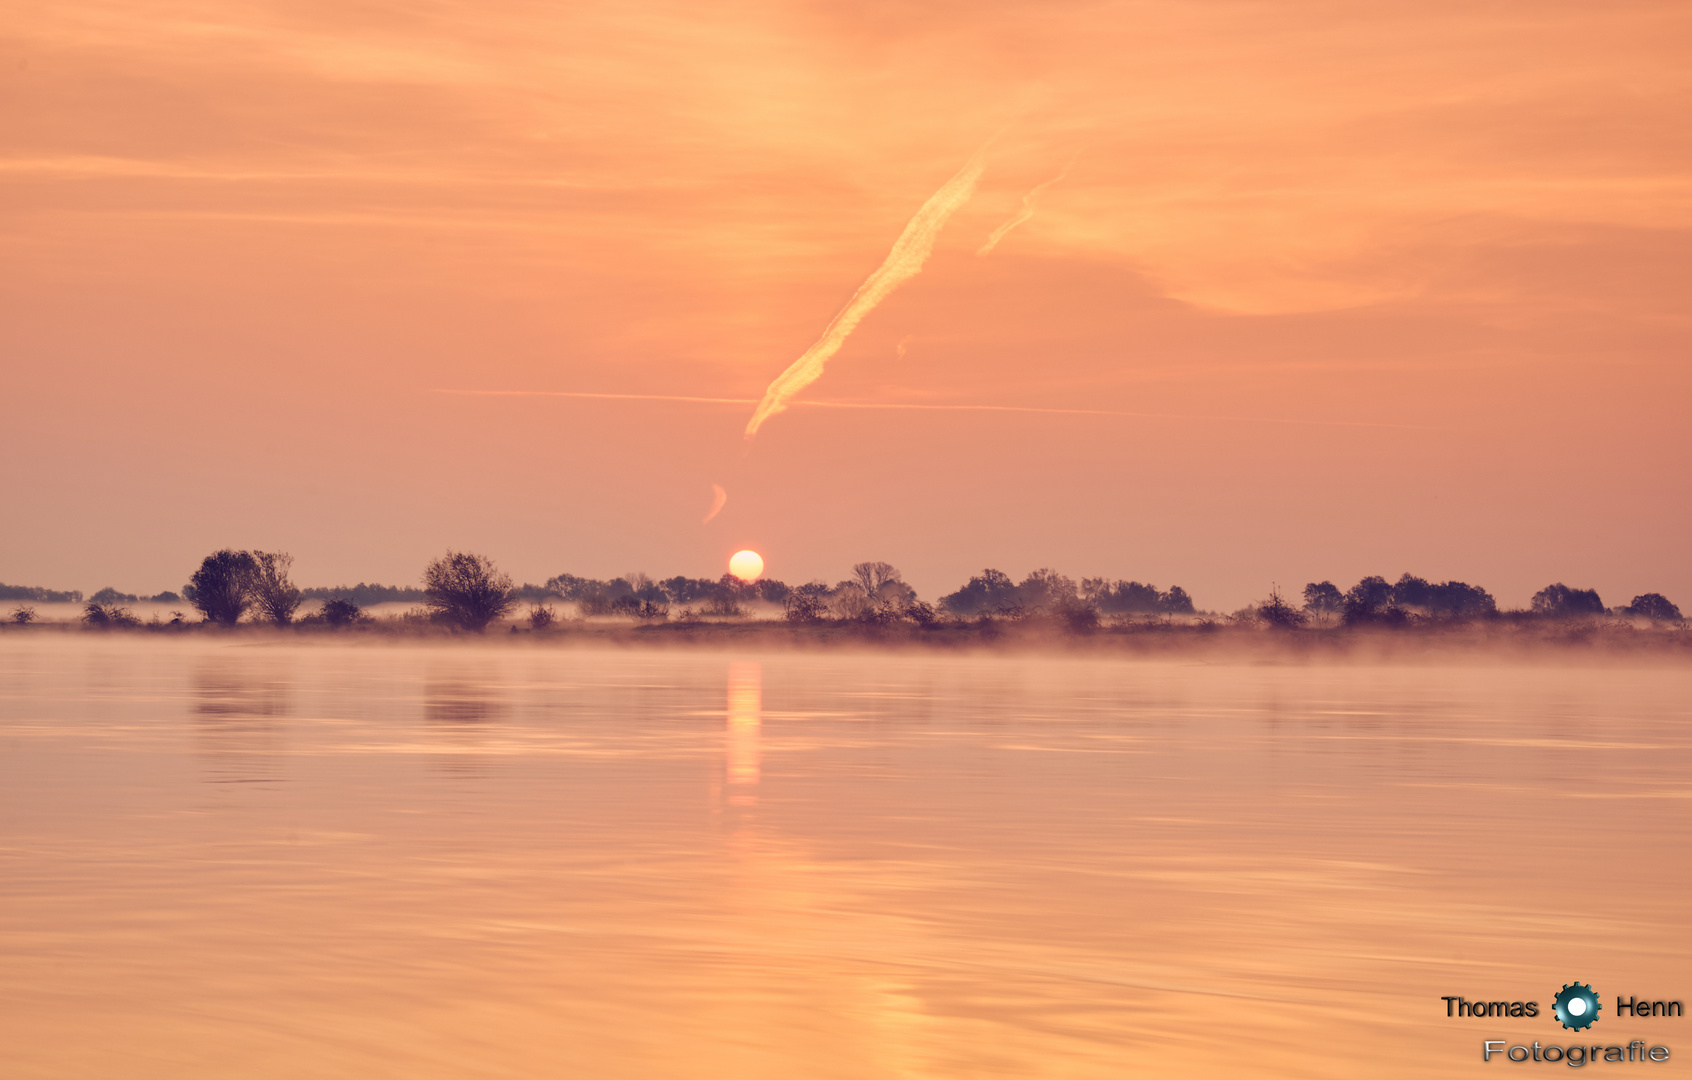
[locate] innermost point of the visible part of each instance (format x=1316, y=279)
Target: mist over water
x=418, y=860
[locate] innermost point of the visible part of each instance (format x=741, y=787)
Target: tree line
x=1374, y=601
x=468, y=591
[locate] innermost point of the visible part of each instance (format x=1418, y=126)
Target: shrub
x=106, y=616
x=1277, y=612
x=467, y=590
x=339, y=612
x=541, y=616
x=22, y=615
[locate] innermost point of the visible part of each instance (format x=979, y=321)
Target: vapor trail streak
x=940, y=408
x=1022, y=215
x=904, y=262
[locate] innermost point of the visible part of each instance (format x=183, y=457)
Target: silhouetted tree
x=23, y=615
x=848, y=600
x=1457, y=599
x=991, y=591
x=1368, y=601
x=1561, y=602
x=109, y=595
x=1134, y=598
x=222, y=588
x=1047, y=590
x=806, y=604
x=1323, y=598
x=40, y=595
x=273, y=594
x=871, y=576
x=1654, y=606
x=467, y=590
x=1450, y=599
x=364, y=595
x=1175, y=601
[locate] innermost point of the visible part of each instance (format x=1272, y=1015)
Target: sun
x=746, y=565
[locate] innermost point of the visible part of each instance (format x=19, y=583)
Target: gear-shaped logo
x=1576, y=1006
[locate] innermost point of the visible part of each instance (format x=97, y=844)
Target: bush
x=467, y=590
x=338, y=612
x=222, y=588
x=107, y=616
x=541, y=616
x=1277, y=612
x=22, y=615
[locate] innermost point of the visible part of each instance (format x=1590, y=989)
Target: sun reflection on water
x=745, y=710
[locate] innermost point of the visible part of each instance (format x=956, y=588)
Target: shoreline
x=1488, y=640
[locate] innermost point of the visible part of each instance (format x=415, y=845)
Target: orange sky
x=1402, y=285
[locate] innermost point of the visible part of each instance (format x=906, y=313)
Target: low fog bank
x=463, y=595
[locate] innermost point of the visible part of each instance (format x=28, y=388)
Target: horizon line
x=913, y=406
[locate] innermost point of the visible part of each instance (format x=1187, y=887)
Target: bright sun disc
x=746, y=565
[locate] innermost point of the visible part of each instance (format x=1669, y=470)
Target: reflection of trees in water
x=236, y=733
x=464, y=711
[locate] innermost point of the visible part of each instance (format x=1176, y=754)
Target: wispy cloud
x=719, y=498
x=1025, y=212
x=932, y=407
x=904, y=262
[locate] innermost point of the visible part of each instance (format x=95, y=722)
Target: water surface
x=272, y=860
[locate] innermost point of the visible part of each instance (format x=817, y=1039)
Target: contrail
x=904, y=262
x=718, y=498
x=1026, y=212
x=900, y=406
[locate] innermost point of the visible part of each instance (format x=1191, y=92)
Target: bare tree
x=871, y=576
x=850, y=601
x=23, y=615
x=222, y=588
x=467, y=590
x=273, y=594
